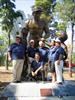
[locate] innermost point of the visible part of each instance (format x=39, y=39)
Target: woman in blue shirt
x=51, y=62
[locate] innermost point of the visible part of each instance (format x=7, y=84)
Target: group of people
x=30, y=56
x=37, y=60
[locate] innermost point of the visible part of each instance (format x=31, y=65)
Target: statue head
x=24, y=31
x=36, y=10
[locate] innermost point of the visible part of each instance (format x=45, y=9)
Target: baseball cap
x=57, y=40
x=36, y=9
x=52, y=40
x=31, y=41
x=18, y=36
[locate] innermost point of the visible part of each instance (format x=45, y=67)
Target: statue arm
x=24, y=31
x=46, y=29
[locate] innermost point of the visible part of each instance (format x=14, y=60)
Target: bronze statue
x=36, y=26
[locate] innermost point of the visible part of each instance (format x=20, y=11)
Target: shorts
x=52, y=67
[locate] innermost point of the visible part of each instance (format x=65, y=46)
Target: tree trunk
x=9, y=39
x=7, y=64
x=71, y=52
x=6, y=61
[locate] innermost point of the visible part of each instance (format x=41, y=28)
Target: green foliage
x=17, y=33
x=7, y=15
x=46, y=5
x=66, y=10
x=2, y=60
x=47, y=18
x=61, y=26
x=2, y=47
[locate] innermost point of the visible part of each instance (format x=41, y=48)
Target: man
x=31, y=50
x=36, y=26
x=16, y=53
x=43, y=51
x=36, y=67
x=60, y=56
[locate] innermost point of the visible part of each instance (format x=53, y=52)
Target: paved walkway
x=40, y=90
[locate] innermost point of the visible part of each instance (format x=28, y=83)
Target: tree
x=47, y=7
x=66, y=11
x=2, y=48
x=46, y=4
x=7, y=15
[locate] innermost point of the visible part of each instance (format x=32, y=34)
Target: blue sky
x=24, y=5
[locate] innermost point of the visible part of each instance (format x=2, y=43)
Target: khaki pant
x=17, y=69
x=29, y=64
x=58, y=70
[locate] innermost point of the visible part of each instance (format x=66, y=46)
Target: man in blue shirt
x=43, y=52
x=16, y=53
x=36, y=67
x=60, y=56
x=31, y=50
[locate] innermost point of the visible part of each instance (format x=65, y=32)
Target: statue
x=36, y=26
x=62, y=37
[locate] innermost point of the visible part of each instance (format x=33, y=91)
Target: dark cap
x=36, y=9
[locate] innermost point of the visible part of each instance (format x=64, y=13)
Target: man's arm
x=9, y=56
x=9, y=53
x=38, y=70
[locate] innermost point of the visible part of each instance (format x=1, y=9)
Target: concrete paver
x=32, y=90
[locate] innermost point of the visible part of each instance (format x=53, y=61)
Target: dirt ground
x=6, y=77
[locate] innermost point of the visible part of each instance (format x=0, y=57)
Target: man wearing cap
x=51, y=62
x=60, y=56
x=36, y=25
x=16, y=53
x=31, y=50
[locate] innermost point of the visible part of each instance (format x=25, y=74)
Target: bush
x=2, y=60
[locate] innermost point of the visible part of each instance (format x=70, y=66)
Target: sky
x=25, y=5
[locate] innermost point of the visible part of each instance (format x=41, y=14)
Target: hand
x=33, y=74
x=9, y=58
x=36, y=72
x=42, y=39
x=58, y=62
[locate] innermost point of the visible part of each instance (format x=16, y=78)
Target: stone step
x=38, y=89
